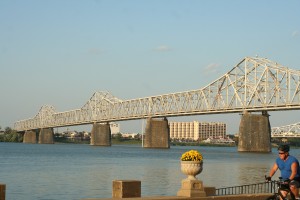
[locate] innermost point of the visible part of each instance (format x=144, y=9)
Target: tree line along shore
x=10, y=135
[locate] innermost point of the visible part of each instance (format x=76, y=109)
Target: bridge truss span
x=254, y=84
x=291, y=130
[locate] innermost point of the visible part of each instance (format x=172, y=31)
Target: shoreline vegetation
x=15, y=137
x=139, y=142
x=10, y=135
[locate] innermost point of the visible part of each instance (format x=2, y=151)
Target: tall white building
x=197, y=130
x=114, y=128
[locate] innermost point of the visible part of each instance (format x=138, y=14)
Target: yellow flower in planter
x=192, y=155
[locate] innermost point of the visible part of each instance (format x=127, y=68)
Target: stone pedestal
x=2, y=191
x=191, y=188
x=126, y=188
x=210, y=191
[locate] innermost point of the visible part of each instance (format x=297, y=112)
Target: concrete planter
x=191, y=168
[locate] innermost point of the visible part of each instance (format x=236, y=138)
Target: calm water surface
x=75, y=171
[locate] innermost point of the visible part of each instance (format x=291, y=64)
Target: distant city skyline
x=60, y=52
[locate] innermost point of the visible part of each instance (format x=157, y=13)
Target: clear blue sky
x=59, y=52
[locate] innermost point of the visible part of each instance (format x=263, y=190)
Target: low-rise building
x=196, y=130
x=219, y=140
x=128, y=135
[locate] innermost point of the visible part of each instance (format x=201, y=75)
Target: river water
x=76, y=171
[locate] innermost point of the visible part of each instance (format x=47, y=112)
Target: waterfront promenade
x=262, y=196
x=210, y=192
x=228, y=197
x=131, y=190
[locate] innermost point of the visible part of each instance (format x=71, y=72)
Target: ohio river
x=75, y=171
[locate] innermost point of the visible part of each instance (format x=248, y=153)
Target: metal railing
x=264, y=187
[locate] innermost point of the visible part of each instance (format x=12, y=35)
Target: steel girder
x=254, y=84
x=292, y=130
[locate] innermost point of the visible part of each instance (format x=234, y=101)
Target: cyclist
x=289, y=168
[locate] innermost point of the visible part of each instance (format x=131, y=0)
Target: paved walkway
x=262, y=196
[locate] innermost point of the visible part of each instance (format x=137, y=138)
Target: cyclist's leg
x=283, y=193
x=292, y=196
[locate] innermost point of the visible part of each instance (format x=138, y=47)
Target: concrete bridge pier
x=157, y=133
x=46, y=136
x=255, y=133
x=30, y=137
x=101, y=135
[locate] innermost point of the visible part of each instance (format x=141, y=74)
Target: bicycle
x=282, y=185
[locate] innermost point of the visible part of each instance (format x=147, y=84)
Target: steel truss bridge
x=254, y=84
x=292, y=130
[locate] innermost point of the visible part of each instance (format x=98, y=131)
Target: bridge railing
x=268, y=187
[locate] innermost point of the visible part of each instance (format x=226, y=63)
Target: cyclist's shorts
x=284, y=187
x=295, y=183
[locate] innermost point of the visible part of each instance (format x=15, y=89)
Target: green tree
x=118, y=137
x=8, y=130
x=11, y=135
x=137, y=136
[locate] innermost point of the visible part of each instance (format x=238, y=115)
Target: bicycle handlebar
x=280, y=181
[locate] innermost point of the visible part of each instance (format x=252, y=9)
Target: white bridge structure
x=291, y=130
x=254, y=84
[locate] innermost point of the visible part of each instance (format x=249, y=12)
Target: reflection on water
x=68, y=171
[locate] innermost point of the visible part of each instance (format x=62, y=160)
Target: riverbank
x=295, y=144
x=201, y=144
x=139, y=142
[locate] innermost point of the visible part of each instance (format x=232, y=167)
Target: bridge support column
x=157, y=133
x=46, y=136
x=101, y=135
x=255, y=133
x=30, y=137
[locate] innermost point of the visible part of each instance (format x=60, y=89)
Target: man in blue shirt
x=289, y=168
